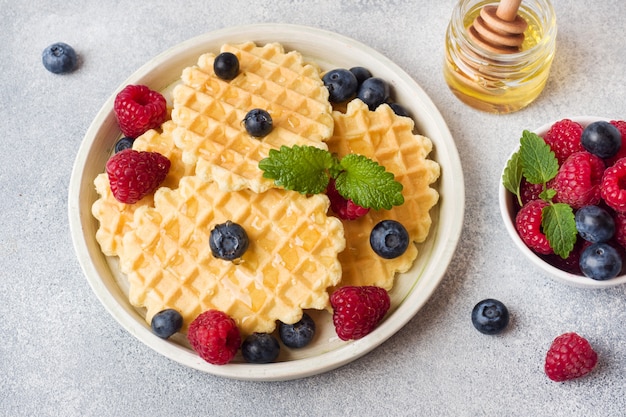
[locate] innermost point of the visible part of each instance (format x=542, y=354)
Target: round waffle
x=209, y=112
x=389, y=140
x=289, y=265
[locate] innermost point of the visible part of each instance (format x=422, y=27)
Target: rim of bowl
x=507, y=213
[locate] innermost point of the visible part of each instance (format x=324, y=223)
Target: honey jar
x=498, y=82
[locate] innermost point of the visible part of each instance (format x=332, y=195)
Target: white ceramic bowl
x=507, y=210
x=329, y=50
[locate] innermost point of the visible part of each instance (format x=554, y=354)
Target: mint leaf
x=512, y=176
x=547, y=194
x=300, y=168
x=538, y=161
x=367, y=184
x=559, y=226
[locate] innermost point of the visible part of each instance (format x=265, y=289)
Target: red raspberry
x=138, y=109
x=528, y=226
x=620, y=228
x=343, y=208
x=134, y=174
x=215, y=336
x=564, y=139
x=613, y=188
x=358, y=310
x=570, y=356
x=578, y=181
x=570, y=264
x=621, y=126
x=529, y=191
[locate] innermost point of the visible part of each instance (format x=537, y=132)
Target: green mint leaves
x=307, y=170
x=536, y=162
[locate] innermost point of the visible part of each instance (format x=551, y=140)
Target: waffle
x=389, y=140
x=291, y=261
x=114, y=217
x=209, y=113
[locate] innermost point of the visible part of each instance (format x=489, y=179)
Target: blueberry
x=399, y=109
x=166, y=322
x=228, y=241
x=389, y=239
x=361, y=74
x=373, y=92
x=258, y=123
x=341, y=84
x=600, y=261
x=299, y=334
x=490, y=316
x=602, y=139
x=59, y=58
x=260, y=348
x=226, y=66
x=594, y=224
x=124, y=143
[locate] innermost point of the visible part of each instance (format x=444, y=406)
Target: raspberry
x=570, y=264
x=215, y=337
x=343, y=208
x=613, y=188
x=570, y=356
x=138, y=109
x=529, y=191
x=528, y=226
x=358, y=310
x=564, y=139
x=621, y=126
x=620, y=228
x=133, y=174
x=578, y=181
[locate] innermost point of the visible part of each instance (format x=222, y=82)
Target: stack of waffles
x=299, y=252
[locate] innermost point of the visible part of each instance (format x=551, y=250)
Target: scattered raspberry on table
x=570, y=356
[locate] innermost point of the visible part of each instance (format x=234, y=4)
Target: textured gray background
x=62, y=354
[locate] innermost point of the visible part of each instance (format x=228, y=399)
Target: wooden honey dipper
x=499, y=29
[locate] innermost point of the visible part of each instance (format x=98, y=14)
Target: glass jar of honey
x=497, y=82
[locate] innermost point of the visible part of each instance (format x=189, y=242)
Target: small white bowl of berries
x=563, y=200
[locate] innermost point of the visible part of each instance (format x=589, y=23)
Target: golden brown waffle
x=290, y=263
x=389, y=140
x=114, y=217
x=209, y=112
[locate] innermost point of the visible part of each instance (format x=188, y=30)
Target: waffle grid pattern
x=291, y=262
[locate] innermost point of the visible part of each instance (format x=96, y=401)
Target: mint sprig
x=308, y=170
x=536, y=162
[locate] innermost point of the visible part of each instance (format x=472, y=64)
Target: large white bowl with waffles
x=411, y=289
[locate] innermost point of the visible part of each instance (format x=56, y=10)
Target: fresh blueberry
x=228, y=241
x=166, y=322
x=490, y=316
x=124, y=143
x=594, y=224
x=299, y=334
x=341, y=84
x=389, y=239
x=361, y=74
x=374, y=91
x=59, y=58
x=226, y=66
x=600, y=261
x=258, y=123
x=260, y=348
x=399, y=109
x=602, y=139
